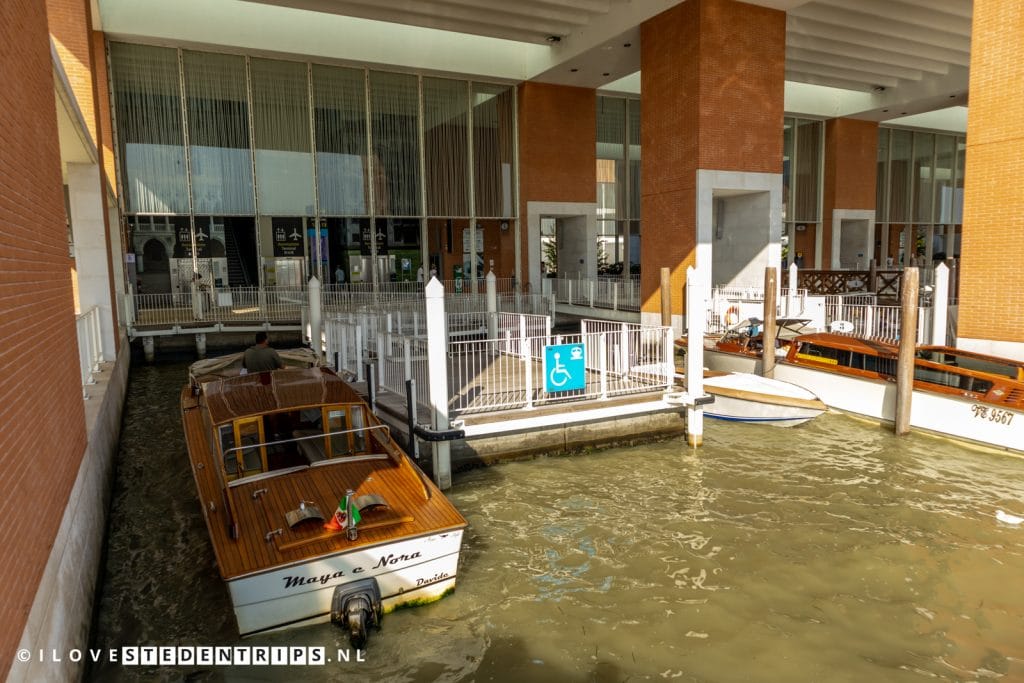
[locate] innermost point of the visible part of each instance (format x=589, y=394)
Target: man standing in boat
x=260, y=357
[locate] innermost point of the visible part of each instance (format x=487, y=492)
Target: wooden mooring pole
x=768, y=334
x=666, y=297
x=908, y=341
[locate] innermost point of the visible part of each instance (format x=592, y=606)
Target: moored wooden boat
x=313, y=511
x=956, y=393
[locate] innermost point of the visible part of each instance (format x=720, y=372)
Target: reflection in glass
x=218, y=127
x=147, y=96
x=339, y=101
x=394, y=111
x=284, y=161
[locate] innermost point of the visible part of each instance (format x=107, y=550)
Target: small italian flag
x=346, y=516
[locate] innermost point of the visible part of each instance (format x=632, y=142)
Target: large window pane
x=218, y=122
x=787, y=168
x=901, y=146
x=808, y=170
x=339, y=100
x=394, y=113
x=493, y=150
x=147, y=95
x=882, y=176
x=634, y=158
x=945, y=159
x=445, y=109
x=284, y=157
x=924, y=149
x=611, y=157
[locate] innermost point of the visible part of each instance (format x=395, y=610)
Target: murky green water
x=828, y=552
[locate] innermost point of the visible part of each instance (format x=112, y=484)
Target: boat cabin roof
x=872, y=347
x=268, y=392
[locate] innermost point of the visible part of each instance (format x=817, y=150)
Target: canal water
x=828, y=552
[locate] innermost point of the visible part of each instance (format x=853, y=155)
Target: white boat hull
x=408, y=572
x=943, y=414
x=744, y=397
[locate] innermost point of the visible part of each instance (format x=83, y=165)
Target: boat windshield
x=991, y=366
x=288, y=439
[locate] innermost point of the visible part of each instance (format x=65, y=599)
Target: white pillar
x=492, y=305
x=315, y=316
x=940, y=304
x=87, y=207
x=791, y=303
x=695, y=309
x=437, y=373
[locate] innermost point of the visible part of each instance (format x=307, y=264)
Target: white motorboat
x=745, y=397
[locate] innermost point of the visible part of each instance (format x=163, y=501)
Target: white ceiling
x=894, y=58
x=912, y=54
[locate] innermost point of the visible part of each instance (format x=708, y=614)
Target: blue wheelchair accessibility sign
x=565, y=367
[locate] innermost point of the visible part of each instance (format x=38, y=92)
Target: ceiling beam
x=843, y=49
x=815, y=79
x=872, y=40
x=871, y=80
x=894, y=10
x=842, y=62
x=853, y=20
x=960, y=8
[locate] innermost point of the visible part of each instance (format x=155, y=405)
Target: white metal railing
x=283, y=305
x=90, y=345
x=878, y=322
x=492, y=374
x=602, y=292
x=730, y=305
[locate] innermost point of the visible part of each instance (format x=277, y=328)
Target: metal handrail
x=312, y=436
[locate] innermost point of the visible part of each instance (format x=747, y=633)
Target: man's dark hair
x=261, y=337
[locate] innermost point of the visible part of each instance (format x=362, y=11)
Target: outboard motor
x=355, y=607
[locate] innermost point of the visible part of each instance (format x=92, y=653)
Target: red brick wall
x=851, y=164
x=712, y=77
x=992, y=248
x=557, y=147
x=42, y=430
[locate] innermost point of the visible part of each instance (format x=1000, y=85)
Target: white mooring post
x=315, y=336
x=940, y=304
x=695, y=307
x=791, y=299
x=437, y=372
x=492, y=305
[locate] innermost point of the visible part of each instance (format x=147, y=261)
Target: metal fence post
x=603, y=366
x=940, y=305
x=359, y=353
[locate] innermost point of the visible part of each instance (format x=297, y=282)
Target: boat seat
x=311, y=449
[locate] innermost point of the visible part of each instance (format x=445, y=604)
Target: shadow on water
x=833, y=551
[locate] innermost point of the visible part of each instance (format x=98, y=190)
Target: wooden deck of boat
x=415, y=507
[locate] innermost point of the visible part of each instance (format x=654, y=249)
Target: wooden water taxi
x=313, y=511
x=959, y=394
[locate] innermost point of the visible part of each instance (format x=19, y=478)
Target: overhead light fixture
x=554, y=39
x=627, y=45
x=879, y=88
x=606, y=73
x=573, y=70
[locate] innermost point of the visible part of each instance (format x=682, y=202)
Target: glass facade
x=264, y=172
x=919, y=196
x=803, y=150
x=618, y=186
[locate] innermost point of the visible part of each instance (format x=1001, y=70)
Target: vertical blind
x=339, y=101
x=394, y=107
x=218, y=127
x=281, y=127
x=445, y=146
x=493, y=150
x=147, y=94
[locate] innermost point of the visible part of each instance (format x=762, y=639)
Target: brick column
x=557, y=159
x=42, y=436
x=992, y=249
x=712, y=80
x=851, y=164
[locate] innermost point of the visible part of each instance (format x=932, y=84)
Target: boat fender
x=732, y=315
x=355, y=607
